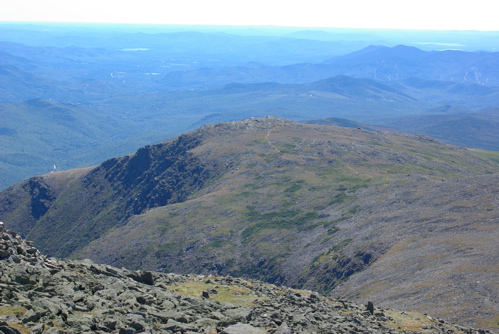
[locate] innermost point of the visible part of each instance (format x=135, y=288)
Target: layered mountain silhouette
x=402, y=62
x=402, y=220
x=375, y=62
x=150, y=87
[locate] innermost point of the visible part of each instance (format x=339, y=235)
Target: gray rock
x=15, y=259
x=145, y=277
x=283, y=329
x=31, y=316
x=53, y=330
x=61, y=296
x=370, y=307
x=4, y=254
x=126, y=331
x=240, y=328
x=7, y=329
x=37, y=329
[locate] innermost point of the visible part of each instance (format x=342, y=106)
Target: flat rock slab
x=243, y=329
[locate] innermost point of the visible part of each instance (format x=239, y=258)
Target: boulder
x=240, y=328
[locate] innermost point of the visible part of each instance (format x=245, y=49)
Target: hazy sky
x=396, y=14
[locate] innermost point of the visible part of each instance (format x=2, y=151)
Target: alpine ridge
x=404, y=221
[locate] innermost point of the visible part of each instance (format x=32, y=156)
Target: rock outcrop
x=45, y=295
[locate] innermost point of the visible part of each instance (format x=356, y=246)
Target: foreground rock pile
x=41, y=295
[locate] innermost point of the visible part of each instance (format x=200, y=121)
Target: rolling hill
x=401, y=220
x=477, y=129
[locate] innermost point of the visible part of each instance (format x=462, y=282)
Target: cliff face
x=366, y=215
x=43, y=295
x=155, y=175
x=81, y=205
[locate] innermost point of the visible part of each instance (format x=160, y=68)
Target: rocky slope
x=43, y=295
x=401, y=220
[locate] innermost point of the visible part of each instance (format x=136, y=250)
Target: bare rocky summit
x=45, y=295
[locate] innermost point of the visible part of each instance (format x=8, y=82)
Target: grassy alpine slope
x=400, y=220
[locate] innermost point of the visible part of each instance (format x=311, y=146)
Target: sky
x=379, y=14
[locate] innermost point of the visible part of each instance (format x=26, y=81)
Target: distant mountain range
x=36, y=134
x=403, y=62
x=375, y=62
x=149, y=86
x=91, y=74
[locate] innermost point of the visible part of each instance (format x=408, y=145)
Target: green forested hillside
x=40, y=136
